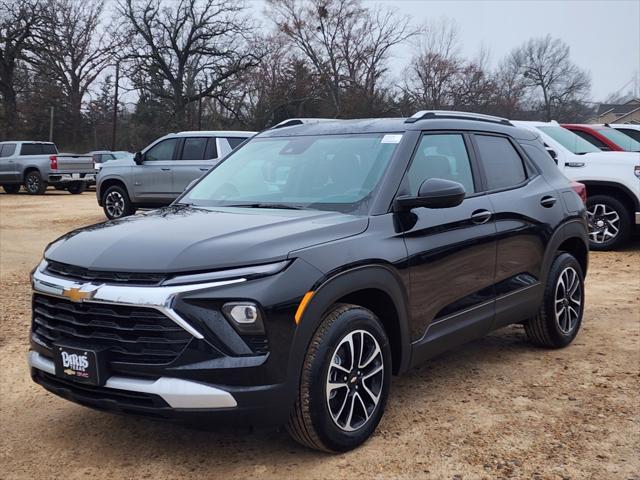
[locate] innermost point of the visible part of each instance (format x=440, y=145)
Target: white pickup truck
x=612, y=180
x=35, y=165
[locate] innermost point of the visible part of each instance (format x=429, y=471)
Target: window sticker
x=391, y=138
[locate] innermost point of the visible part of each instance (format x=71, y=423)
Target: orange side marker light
x=303, y=305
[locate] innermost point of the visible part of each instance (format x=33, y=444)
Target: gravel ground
x=495, y=408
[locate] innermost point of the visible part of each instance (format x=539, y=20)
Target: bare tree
x=545, y=67
x=17, y=23
x=197, y=47
x=72, y=51
x=433, y=72
x=347, y=44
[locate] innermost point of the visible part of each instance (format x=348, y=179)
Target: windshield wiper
x=280, y=206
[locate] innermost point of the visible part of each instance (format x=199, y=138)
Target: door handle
x=204, y=169
x=165, y=169
x=548, y=201
x=480, y=216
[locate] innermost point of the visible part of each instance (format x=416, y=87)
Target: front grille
x=87, y=275
x=132, y=334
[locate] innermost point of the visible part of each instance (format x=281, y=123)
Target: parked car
x=157, y=175
x=35, y=165
x=611, y=178
x=288, y=284
x=605, y=138
x=628, y=129
x=101, y=157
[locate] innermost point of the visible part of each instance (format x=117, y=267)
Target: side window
x=441, y=156
x=162, y=151
x=8, y=149
x=31, y=149
x=235, y=141
x=592, y=140
x=194, y=148
x=538, y=155
x=211, y=151
x=502, y=163
x=635, y=134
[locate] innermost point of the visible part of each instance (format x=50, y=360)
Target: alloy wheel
x=604, y=223
x=32, y=183
x=114, y=204
x=355, y=380
x=568, y=300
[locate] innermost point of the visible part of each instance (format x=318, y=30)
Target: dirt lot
x=497, y=408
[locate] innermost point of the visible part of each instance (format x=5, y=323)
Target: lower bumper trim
x=176, y=392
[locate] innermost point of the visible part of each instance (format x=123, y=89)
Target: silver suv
x=159, y=173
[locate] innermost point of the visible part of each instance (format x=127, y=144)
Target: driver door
x=452, y=251
x=154, y=177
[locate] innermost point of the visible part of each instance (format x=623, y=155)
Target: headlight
x=243, y=272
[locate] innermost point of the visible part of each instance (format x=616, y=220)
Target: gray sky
x=604, y=35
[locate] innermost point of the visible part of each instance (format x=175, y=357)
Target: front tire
x=344, y=383
x=11, y=189
x=116, y=203
x=560, y=315
x=609, y=222
x=34, y=184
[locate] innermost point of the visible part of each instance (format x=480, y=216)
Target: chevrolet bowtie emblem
x=79, y=294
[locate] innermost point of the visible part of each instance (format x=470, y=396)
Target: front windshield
x=324, y=172
x=569, y=140
x=625, y=142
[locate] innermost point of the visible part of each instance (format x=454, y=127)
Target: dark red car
x=604, y=137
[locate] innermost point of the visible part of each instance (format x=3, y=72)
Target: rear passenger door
x=526, y=210
x=197, y=156
x=452, y=251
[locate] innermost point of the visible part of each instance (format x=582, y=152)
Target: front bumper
x=175, y=392
x=230, y=377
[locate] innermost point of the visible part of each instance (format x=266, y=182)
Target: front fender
x=330, y=290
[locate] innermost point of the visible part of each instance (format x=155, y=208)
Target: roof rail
x=290, y=122
x=427, y=114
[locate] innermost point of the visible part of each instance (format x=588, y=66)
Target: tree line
x=210, y=64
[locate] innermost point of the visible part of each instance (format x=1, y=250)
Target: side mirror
x=433, y=193
x=138, y=158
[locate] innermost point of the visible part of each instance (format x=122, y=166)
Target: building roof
x=619, y=108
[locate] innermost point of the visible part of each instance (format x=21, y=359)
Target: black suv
x=291, y=281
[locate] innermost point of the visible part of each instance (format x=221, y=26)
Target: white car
x=612, y=180
x=629, y=129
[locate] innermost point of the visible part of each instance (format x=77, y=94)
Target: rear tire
x=76, y=188
x=116, y=203
x=34, y=184
x=560, y=315
x=11, y=189
x=343, y=386
x=609, y=222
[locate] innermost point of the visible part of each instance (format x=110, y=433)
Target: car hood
x=182, y=239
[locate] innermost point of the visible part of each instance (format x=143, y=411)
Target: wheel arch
x=570, y=237
x=377, y=287
x=109, y=182
x=616, y=190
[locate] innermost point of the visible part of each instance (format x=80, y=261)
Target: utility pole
x=51, y=124
x=115, y=109
x=200, y=108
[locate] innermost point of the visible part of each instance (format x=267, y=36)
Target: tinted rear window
x=38, y=149
x=235, y=141
x=7, y=149
x=501, y=162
